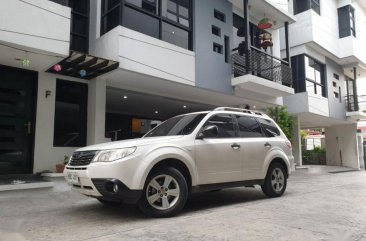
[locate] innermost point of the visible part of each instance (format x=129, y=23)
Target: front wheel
x=276, y=181
x=165, y=193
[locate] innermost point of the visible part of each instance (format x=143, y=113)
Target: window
x=179, y=125
x=110, y=15
x=352, y=21
x=175, y=35
x=176, y=11
x=336, y=76
x=227, y=49
x=336, y=95
x=141, y=22
x=219, y=15
x=269, y=127
x=334, y=84
x=70, y=114
x=79, y=36
x=346, y=21
x=249, y=127
x=147, y=5
x=313, y=76
x=304, y=5
x=217, y=48
x=216, y=31
x=168, y=20
x=224, y=124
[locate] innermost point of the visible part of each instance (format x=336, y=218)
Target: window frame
x=352, y=21
x=314, y=5
x=314, y=82
x=236, y=117
x=123, y=4
x=235, y=126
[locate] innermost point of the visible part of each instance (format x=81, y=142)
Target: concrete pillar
x=341, y=146
x=96, y=111
x=296, y=142
x=360, y=151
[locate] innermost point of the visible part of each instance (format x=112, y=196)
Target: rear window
x=249, y=127
x=270, y=129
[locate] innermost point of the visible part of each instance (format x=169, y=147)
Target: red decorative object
x=265, y=23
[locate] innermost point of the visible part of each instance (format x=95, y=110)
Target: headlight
x=113, y=155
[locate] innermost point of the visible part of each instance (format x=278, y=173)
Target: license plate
x=73, y=177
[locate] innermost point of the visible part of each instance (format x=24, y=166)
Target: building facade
x=79, y=72
x=328, y=60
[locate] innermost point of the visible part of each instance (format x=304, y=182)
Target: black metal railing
x=355, y=103
x=262, y=65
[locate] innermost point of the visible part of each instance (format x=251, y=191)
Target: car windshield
x=179, y=125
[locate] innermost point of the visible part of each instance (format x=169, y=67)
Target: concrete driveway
x=317, y=205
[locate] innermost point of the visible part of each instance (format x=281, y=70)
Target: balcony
x=354, y=111
x=261, y=73
x=142, y=54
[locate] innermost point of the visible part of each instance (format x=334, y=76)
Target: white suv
x=200, y=151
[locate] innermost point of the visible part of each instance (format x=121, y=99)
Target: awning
x=83, y=66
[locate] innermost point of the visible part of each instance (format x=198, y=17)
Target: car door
x=218, y=159
x=253, y=148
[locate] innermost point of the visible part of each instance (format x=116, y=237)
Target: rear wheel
x=276, y=181
x=165, y=193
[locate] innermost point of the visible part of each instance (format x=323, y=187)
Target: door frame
x=34, y=78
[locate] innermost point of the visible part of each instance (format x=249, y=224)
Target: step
x=25, y=186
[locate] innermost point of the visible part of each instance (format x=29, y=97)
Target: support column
x=246, y=33
x=96, y=111
x=296, y=142
x=355, y=96
x=288, y=57
x=341, y=146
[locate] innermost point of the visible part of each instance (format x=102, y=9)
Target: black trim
x=215, y=186
x=124, y=194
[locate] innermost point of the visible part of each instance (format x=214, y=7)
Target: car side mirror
x=210, y=131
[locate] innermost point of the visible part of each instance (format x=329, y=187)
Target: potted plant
x=60, y=167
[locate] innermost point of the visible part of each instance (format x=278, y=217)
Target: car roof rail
x=240, y=110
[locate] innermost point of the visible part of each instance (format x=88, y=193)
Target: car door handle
x=235, y=146
x=267, y=145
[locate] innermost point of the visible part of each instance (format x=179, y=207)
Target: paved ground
x=317, y=206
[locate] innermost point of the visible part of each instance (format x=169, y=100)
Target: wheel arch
x=277, y=156
x=172, y=157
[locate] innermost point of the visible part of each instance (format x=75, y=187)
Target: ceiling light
x=156, y=112
x=184, y=106
x=125, y=97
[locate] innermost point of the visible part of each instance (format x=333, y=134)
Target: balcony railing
x=262, y=65
x=355, y=103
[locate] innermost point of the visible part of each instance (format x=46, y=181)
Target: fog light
x=115, y=188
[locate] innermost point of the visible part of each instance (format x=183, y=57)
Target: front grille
x=82, y=158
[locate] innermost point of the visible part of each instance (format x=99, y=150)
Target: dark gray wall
x=336, y=108
x=211, y=70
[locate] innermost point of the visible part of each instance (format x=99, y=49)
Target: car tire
x=165, y=193
x=275, y=182
x=108, y=202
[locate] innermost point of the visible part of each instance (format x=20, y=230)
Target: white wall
x=38, y=24
x=341, y=141
x=306, y=102
x=323, y=30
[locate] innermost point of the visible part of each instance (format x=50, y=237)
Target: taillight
x=288, y=144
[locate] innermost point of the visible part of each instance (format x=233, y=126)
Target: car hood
x=130, y=143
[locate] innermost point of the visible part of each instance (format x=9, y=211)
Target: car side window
x=225, y=125
x=269, y=127
x=249, y=127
